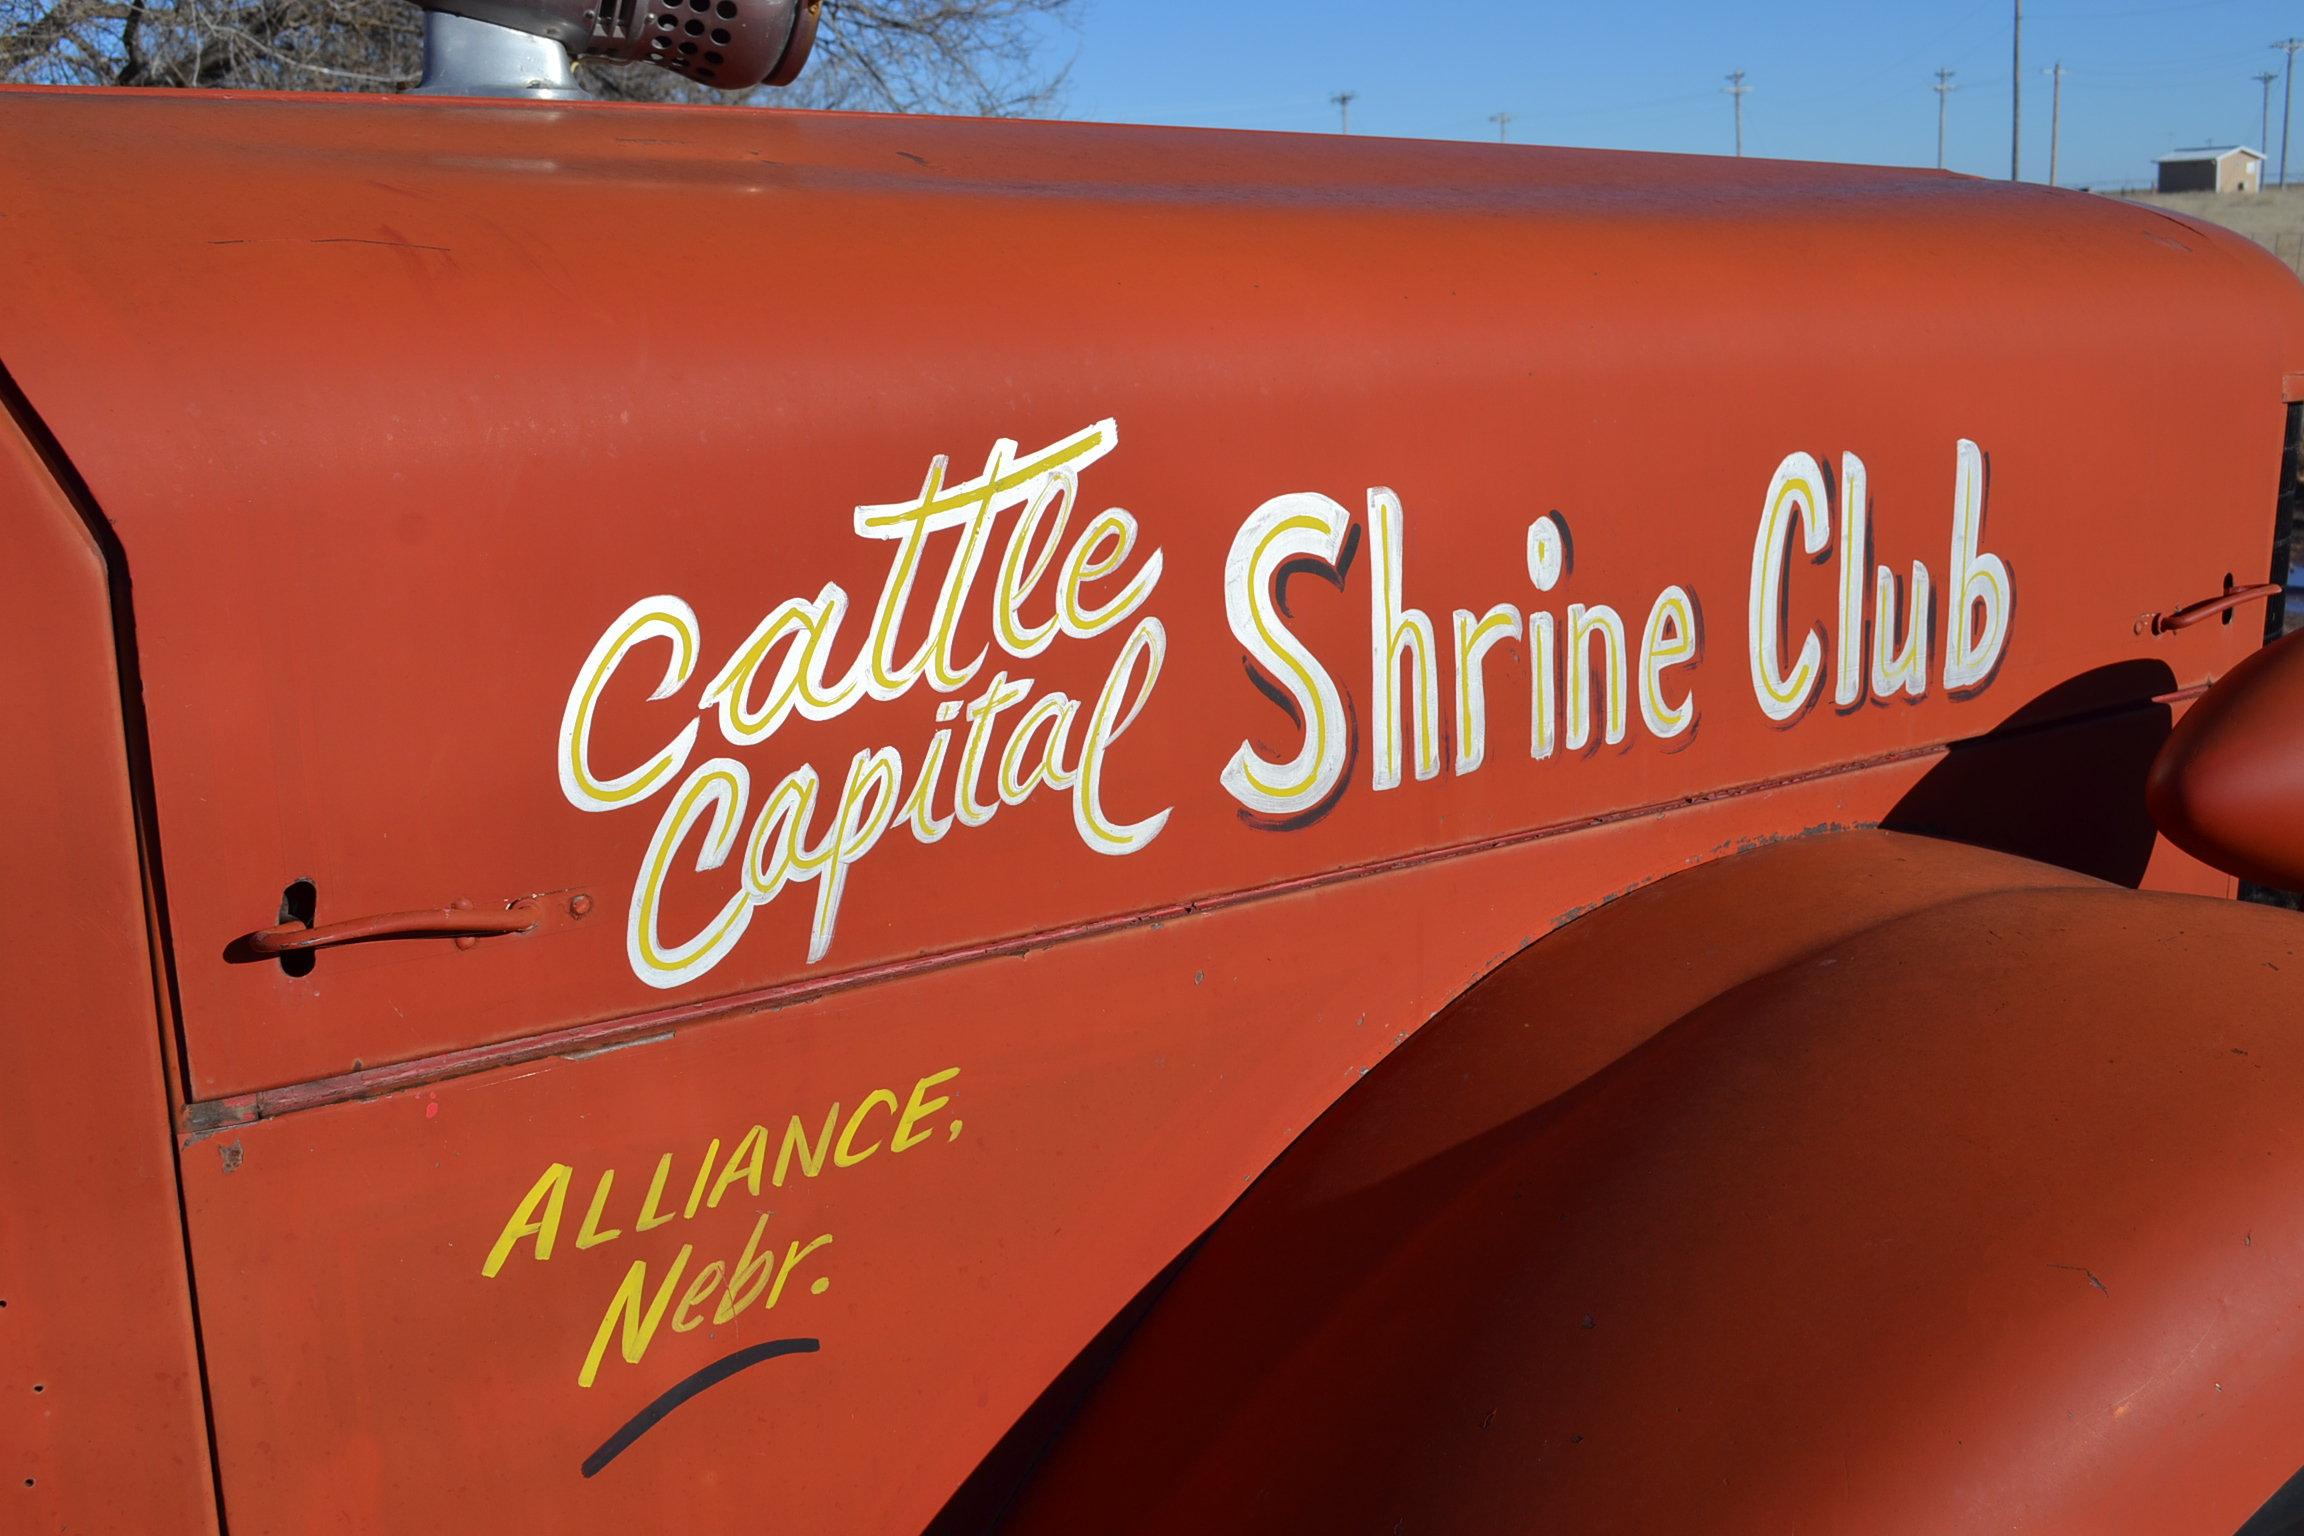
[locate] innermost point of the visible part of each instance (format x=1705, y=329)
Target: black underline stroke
x=680, y=1391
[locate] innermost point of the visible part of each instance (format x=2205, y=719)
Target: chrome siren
x=526, y=47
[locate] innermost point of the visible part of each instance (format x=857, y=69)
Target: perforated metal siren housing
x=730, y=44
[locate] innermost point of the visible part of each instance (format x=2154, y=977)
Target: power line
x=2150, y=10
x=2162, y=67
x=1860, y=85
x=1943, y=89
x=1503, y=122
x=1737, y=90
x=1619, y=108
x=1342, y=102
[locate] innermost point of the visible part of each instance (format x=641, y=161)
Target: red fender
x=1865, y=1183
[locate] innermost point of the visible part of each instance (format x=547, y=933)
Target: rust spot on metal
x=617, y=1045
x=2082, y=1269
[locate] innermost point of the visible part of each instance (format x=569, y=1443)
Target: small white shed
x=2212, y=168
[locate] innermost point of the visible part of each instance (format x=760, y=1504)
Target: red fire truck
x=730, y=820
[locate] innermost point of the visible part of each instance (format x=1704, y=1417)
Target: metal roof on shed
x=2209, y=152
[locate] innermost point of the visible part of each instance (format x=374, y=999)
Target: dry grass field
x=2273, y=219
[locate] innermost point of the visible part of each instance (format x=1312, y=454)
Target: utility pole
x=1502, y=120
x=2264, y=135
x=1943, y=89
x=1736, y=89
x=2016, y=101
x=2055, y=73
x=2287, y=45
x=1342, y=102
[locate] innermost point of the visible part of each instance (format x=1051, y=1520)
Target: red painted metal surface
x=1838, y=1187
x=416, y=395
x=2229, y=785
x=101, y=1422
x=457, y=452
x=1116, y=1094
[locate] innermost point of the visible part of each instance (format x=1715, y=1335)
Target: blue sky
x=1845, y=81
